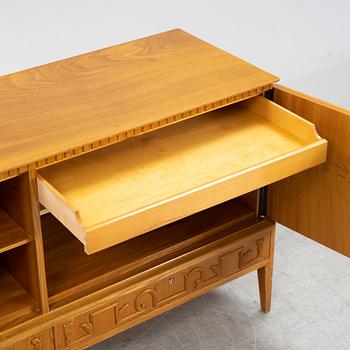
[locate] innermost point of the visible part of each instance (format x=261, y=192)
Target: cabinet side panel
x=316, y=202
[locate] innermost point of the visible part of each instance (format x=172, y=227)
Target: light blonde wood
x=62, y=109
x=81, y=274
x=265, y=278
x=11, y=234
x=281, y=118
x=316, y=203
x=38, y=241
x=122, y=191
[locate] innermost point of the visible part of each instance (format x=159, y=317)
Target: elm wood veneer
x=316, y=203
x=64, y=109
x=114, y=194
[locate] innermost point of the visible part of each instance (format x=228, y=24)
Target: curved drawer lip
x=303, y=149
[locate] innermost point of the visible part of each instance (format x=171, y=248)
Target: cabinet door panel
x=316, y=202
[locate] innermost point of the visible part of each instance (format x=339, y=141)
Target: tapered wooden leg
x=265, y=286
x=265, y=277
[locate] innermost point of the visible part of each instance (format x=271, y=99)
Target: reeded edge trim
x=121, y=136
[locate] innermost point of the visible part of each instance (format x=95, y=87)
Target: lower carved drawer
x=179, y=280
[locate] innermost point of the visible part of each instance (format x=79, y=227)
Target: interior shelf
x=14, y=300
x=114, y=194
x=11, y=234
x=80, y=274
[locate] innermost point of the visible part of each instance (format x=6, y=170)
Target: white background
x=305, y=43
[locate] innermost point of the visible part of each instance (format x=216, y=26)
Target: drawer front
x=40, y=341
x=165, y=290
x=152, y=180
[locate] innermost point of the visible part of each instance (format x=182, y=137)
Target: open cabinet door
x=316, y=202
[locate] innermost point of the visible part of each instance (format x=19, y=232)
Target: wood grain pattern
x=17, y=198
x=265, y=278
x=81, y=274
x=316, y=203
x=38, y=240
x=67, y=108
x=11, y=234
x=72, y=106
x=149, y=181
x=15, y=302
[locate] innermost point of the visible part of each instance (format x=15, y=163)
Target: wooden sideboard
x=137, y=177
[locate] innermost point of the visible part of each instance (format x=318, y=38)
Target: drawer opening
x=82, y=274
x=119, y=192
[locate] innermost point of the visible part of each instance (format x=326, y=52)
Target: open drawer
x=119, y=192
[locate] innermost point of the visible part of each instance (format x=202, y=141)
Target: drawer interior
x=80, y=274
x=119, y=192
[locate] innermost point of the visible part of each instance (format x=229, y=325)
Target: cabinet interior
x=18, y=279
x=72, y=274
x=16, y=302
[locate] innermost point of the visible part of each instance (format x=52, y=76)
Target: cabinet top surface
x=71, y=106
